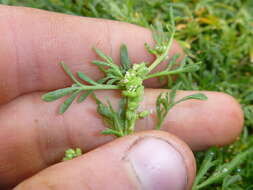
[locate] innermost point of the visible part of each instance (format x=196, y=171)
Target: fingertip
x=162, y=161
x=232, y=115
x=217, y=121
x=222, y=121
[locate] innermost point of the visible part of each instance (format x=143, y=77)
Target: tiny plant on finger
x=127, y=78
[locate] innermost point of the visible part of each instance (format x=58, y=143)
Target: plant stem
x=98, y=87
x=163, y=56
x=163, y=73
x=225, y=169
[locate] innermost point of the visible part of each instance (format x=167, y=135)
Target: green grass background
x=219, y=34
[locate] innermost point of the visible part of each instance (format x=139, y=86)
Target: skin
x=118, y=174
x=34, y=137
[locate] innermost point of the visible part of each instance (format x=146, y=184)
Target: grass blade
x=225, y=169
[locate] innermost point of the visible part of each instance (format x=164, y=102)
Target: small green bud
x=71, y=154
x=144, y=114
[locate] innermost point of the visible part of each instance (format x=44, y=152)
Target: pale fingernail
x=158, y=165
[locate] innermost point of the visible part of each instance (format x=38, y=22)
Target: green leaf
x=116, y=73
x=224, y=170
x=101, y=63
x=122, y=108
x=249, y=97
x=51, y=96
x=104, y=111
x=206, y=164
x=111, y=117
x=230, y=180
x=109, y=131
x=190, y=68
x=112, y=81
x=198, y=96
x=124, y=58
x=103, y=56
x=173, y=94
x=162, y=108
x=113, y=69
x=174, y=60
x=248, y=112
x=84, y=96
x=165, y=103
x=68, y=102
x=86, y=78
x=68, y=71
x=143, y=114
x=158, y=32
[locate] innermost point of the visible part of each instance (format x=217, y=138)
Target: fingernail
x=158, y=165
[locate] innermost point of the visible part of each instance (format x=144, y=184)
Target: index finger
x=33, y=42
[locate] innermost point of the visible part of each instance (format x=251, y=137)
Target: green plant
x=72, y=153
x=129, y=79
x=216, y=33
x=220, y=171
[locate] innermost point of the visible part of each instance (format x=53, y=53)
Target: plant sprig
x=220, y=172
x=128, y=78
x=166, y=101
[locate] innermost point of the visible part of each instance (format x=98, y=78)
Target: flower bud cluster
x=132, y=83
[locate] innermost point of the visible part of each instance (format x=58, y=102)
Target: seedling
x=127, y=78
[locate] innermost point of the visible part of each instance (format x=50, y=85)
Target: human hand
x=34, y=137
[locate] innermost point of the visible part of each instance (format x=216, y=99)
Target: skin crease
x=34, y=136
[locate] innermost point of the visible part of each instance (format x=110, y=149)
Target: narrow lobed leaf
x=51, y=96
x=86, y=78
x=224, y=170
x=109, y=131
x=68, y=102
x=206, y=164
x=103, y=56
x=84, y=96
x=198, y=96
x=68, y=71
x=112, y=81
x=166, y=101
x=104, y=110
x=101, y=63
x=230, y=180
x=124, y=58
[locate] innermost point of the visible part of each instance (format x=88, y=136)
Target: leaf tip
x=44, y=97
x=62, y=111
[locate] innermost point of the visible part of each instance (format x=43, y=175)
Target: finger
x=148, y=160
x=35, y=136
x=33, y=42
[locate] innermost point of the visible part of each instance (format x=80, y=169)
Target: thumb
x=151, y=160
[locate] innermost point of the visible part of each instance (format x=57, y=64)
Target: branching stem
x=162, y=57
